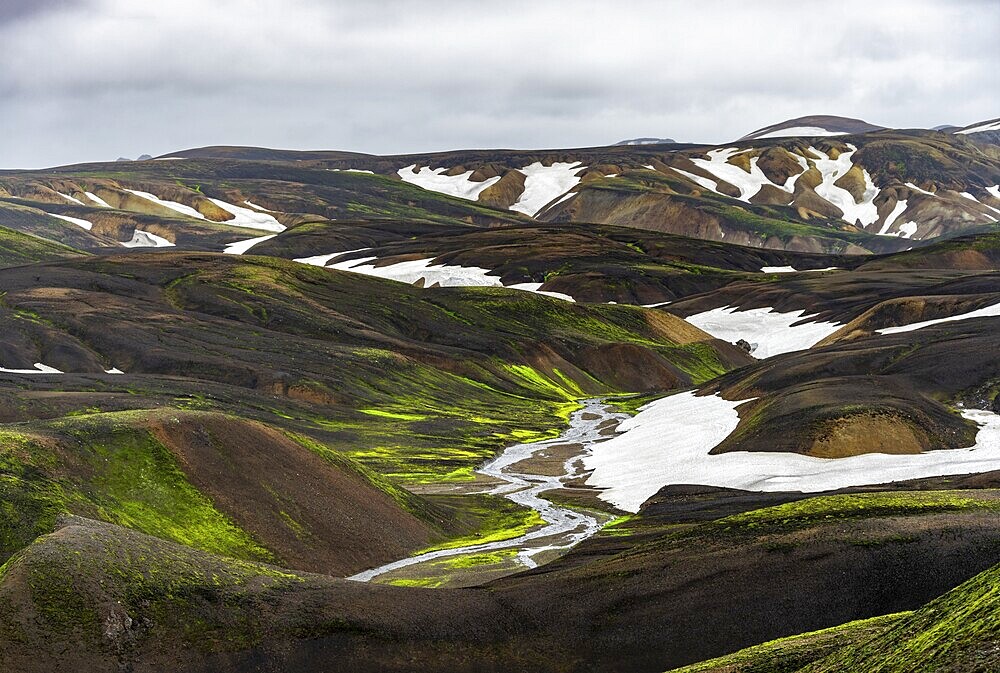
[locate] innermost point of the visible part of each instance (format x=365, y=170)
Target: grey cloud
x=116, y=77
x=17, y=10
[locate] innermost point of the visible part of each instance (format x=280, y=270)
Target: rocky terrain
x=630, y=408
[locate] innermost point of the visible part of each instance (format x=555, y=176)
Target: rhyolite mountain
x=646, y=141
x=813, y=126
x=859, y=191
x=232, y=377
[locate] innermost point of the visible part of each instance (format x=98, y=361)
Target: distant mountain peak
x=645, y=141
x=813, y=126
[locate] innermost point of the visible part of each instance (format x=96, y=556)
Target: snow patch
x=240, y=247
x=83, y=224
x=711, y=185
x=453, y=185
x=980, y=203
x=113, y=370
x=917, y=189
x=748, y=183
x=986, y=312
x=172, y=205
x=444, y=275
x=669, y=440
x=323, y=260
x=256, y=207
x=768, y=332
x=39, y=368
x=805, y=131
x=543, y=184
x=832, y=170
x=988, y=126
x=897, y=210
x=908, y=229
x=778, y=269
x=536, y=288
x=250, y=219
x=98, y=200
x=144, y=239
x=71, y=199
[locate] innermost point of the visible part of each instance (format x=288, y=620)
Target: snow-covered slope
x=669, y=440
x=83, y=224
x=980, y=127
x=813, y=126
x=435, y=180
x=767, y=331
x=544, y=184
x=251, y=219
x=424, y=272
x=801, y=131
x=748, y=183
x=172, y=205
x=832, y=170
x=144, y=239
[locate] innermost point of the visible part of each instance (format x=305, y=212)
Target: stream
x=563, y=527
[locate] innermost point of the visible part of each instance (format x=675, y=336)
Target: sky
x=92, y=80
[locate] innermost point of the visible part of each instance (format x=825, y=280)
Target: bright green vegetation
x=619, y=527
x=421, y=582
x=478, y=560
x=831, y=508
x=117, y=472
x=630, y=404
x=957, y=632
x=788, y=655
x=764, y=222
x=20, y=248
x=70, y=574
x=498, y=519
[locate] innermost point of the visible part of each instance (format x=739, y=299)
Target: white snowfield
x=988, y=126
x=251, y=219
x=748, y=183
x=172, y=205
x=905, y=230
x=240, y=247
x=445, y=275
x=897, y=210
x=544, y=184
x=801, y=131
x=768, y=332
x=45, y=369
x=792, y=269
x=832, y=170
x=71, y=199
x=972, y=198
x=352, y=170
x=98, y=200
x=917, y=189
x=39, y=369
x=256, y=207
x=698, y=180
x=144, y=239
x=669, y=440
x=83, y=224
x=452, y=185
x=985, y=312
x=994, y=190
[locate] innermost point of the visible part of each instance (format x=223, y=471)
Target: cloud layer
x=88, y=80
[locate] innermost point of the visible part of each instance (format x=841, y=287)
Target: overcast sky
x=91, y=80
